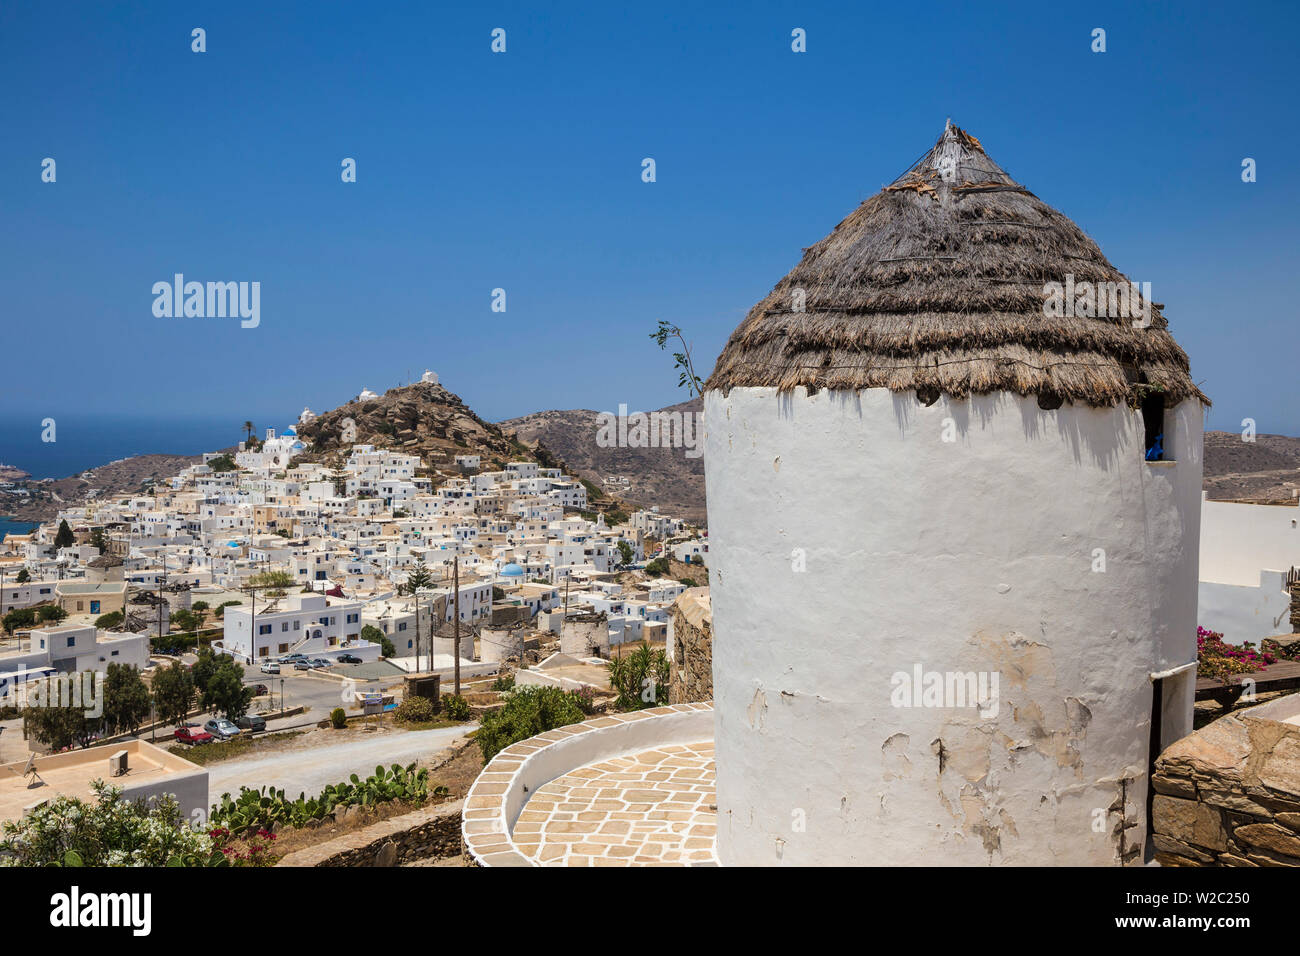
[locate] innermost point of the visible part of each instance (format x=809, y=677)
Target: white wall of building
x=1243, y=613
x=850, y=543
x=1239, y=540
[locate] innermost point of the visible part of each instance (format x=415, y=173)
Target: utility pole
x=456, y=646
x=416, y=595
x=162, y=582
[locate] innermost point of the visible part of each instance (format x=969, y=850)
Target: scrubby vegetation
x=266, y=807
x=528, y=711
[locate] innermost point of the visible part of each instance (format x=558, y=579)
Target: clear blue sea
x=8, y=527
x=86, y=440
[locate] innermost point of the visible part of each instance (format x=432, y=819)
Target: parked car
x=251, y=722
x=303, y=665
x=319, y=662
x=290, y=658
x=348, y=659
x=192, y=735
x=259, y=690
x=271, y=667
x=221, y=728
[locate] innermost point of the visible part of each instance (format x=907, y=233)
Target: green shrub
x=640, y=678
x=504, y=682
x=528, y=711
x=338, y=718
x=455, y=707
x=414, y=710
x=108, y=832
x=111, y=619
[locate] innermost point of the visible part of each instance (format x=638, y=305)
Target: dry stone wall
x=1229, y=794
x=691, y=648
x=428, y=832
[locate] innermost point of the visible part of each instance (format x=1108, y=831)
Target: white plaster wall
x=1239, y=539
x=974, y=555
x=1242, y=613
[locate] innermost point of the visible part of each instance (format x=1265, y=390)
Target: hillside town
x=351, y=589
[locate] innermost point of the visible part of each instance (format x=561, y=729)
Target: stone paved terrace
x=621, y=790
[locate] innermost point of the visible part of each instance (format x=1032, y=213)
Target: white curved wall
x=972, y=555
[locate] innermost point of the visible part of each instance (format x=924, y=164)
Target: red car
x=192, y=735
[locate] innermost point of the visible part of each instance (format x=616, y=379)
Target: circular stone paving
x=652, y=808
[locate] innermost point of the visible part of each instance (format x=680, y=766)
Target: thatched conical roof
x=936, y=283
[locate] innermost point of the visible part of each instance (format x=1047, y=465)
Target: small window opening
x=1153, y=421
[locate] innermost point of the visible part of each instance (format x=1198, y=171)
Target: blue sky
x=522, y=171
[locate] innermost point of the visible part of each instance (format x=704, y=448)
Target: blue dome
x=512, y=570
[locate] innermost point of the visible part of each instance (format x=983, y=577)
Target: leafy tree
x=658, y=568
x=64, y=537
x=59, y=724
x=220, y=611
x=222, y=463
x=528, y=711
x=418, y=578
x=225, y=691
x=50, y=613
x=173, y=693
x=248, y=431
x=20, y=617
x=640, y=679
x=375, y=636
x=186, y=620
x=198, y=607
x=23, y=576
x=126, y=700
x=97, y=539
x=625, y=551
x=204, y=668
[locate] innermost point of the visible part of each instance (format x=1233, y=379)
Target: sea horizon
x=83, y=442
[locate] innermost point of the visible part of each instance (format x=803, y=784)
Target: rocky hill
x=421, y=419
x=117, y=478
x=1267, y=469
x=643, y=476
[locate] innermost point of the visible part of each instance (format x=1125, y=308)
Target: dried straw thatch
x=936, y=284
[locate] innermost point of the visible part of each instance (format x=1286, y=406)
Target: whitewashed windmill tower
x=953, y=589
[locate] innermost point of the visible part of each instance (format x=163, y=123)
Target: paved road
x=310, y=771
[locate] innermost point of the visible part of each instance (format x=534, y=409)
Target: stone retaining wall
x=690, y=648
x=428, y=832
x=1229, y=794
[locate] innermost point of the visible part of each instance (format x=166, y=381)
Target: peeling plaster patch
x=1017, y=658
x=966, y=752
x=980, y=820
x=757, y=712
x=1065, y=746
x=894, y=758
